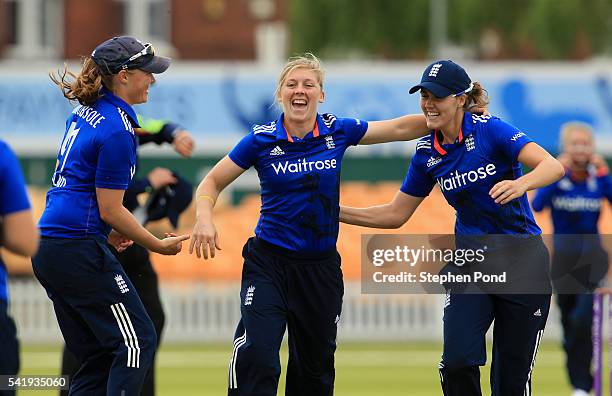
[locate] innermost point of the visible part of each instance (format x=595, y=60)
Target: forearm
x=548, y=171
x=380, y=216
x=207, y=194
x=19, y=233
x=408, y=127
x=122, y=221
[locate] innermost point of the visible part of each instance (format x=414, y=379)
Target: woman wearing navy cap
x=291, y=276
x=476, y=161
x=99, y=313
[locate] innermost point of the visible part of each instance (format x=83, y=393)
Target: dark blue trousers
x=9, y=357
x=101, y=317
x=519, y=321
x=577, y=320
x=283, y=289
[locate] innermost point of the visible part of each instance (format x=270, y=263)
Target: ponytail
x=85, y=87
x=477, y=98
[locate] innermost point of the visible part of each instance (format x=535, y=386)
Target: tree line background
x=480, y=29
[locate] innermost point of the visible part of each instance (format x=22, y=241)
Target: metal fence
x=200, y=312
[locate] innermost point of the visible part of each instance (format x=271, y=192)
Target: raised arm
x=205, y=236
x=545, y=170
x=391, y=215
x=408, y=127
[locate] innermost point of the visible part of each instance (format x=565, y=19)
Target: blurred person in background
x=99, y=312
x=462, y=143
x=291, y=276
x=579, y=262
x=19, y=236
x=135, y=259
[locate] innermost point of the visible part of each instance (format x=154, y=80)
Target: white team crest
x=277, y=151
x=248, y=299
x=434, y=70
x=329, y=142
x=566, y=184
x=469, y=143
x=123, y=288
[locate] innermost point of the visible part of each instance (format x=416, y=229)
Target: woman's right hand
x=204, y=237
x=171, y=245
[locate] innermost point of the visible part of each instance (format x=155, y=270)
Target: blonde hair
x=478, y=97
x=306, y=61
x=85, y=87
x=570, y=126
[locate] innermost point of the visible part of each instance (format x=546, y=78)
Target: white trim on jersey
x=535, y=351
x=129, y=334
x=126, y=120
x=238, y=342
x=423, y=145
x=328, y=120
x=480, y=118
x=271, y=127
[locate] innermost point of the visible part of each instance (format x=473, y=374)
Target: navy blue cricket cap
x=126, y=52
x=170, y=201
x=443, y=78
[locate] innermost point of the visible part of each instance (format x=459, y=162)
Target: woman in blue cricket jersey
x=291, y=276
x=579, y=262
x=19, y=235
x=101, y=317
x=476, y=162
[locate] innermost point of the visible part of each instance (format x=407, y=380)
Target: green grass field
x=361, y=369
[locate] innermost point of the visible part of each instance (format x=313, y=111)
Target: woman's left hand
x=507, y=190
x=118, y=241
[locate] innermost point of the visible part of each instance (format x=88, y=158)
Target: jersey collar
x=116, y=101
x=465, y=130
x=319, y=129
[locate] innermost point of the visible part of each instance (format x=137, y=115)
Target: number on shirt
x=58, y=180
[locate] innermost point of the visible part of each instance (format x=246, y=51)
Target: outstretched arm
x=391, y=215
x=407, y=127
x=205, y=236
x=546, y=170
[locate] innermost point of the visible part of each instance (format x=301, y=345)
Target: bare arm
x=407, y=127
x=113, y=213
x=545, y=170
x=205, y=236
x=19, y=234
x=390, y=215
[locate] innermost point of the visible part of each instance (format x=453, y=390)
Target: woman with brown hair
x=101, y=317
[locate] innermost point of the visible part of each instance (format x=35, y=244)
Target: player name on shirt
x=91, y=116
x=457, y=180
x=303, y=165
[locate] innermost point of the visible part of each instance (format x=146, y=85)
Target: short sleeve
x=354, y=129
x=13, y=194
x=116, y=161
x=417, y=183
x=244, y=154
x=543, y=197
x=506, y=138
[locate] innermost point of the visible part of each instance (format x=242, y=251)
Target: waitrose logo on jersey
x=458, y=180
x=303, y=165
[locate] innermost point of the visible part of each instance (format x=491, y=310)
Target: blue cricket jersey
x=299, y=179
x=13, y=198
x=98, y=151
x=484, y=154
x=575, y=205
